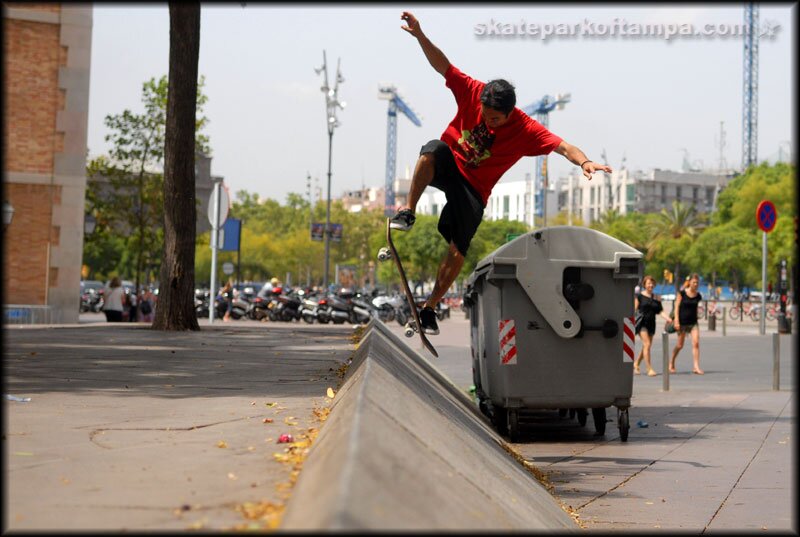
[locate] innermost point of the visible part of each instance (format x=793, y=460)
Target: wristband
x=584, y=162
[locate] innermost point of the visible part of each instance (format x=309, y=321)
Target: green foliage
x=129, y=208
x=730, y=246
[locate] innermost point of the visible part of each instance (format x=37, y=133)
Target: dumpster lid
x=540, y=257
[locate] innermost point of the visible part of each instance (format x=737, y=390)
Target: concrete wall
x=46, y=55
x=404, y=449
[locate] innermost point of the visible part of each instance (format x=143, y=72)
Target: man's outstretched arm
x=435, y=56
x=578, y=158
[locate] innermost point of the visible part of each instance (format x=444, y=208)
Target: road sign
x=224, y=205
x=227, y=268
x=766, y=216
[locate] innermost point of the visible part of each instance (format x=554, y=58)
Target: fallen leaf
x=268, y=420
x=251, y=448
x=222, y=444
x=65, y=480
x=232, y=476
x=252, y=403
x=23, y=453
x=648, y=503
x=331, y=393
x=270, y=404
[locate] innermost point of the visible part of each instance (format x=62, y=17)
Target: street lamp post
x=331, y=102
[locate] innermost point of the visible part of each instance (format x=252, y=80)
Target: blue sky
x=646, y=98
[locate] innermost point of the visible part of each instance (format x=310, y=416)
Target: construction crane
x=750, y=91
x=540, y=111
x=389, y=93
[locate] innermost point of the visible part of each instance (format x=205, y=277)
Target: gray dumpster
x=551, y=324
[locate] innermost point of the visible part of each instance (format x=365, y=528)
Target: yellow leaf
x=222, y=444
x=270, y=404
x=331, y=393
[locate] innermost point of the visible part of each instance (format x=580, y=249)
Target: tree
x=726, y=250
x=175, y=309
x=133, y=170
x=672, y=235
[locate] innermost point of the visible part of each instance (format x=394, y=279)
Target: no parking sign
x=766, y=216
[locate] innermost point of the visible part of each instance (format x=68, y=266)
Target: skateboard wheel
x=384, y=254
x=409, y=332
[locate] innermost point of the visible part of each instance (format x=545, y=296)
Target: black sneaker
x=427, y=317
x=403, y=220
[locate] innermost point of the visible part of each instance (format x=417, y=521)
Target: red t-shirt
x=484, y=155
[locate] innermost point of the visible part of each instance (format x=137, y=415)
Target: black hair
x=499, y=95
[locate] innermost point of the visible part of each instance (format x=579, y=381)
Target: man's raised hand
x=412, y=24
x=590, y=167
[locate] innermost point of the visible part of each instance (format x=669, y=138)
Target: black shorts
x=463, y=212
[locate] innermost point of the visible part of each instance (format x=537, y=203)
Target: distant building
x=629, y=191
x=364, y=200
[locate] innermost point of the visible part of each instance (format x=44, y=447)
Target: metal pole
x=212, y=294
x=723, y=320
x=665, y=356
x=328, y=212
x=776, y=361
x=762, y=328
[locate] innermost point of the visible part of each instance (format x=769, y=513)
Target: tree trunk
x=175, y=309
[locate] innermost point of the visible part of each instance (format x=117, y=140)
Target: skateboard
x=414, y=325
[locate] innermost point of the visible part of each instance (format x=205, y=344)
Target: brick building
x=46, y=63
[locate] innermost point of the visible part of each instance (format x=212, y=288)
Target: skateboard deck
x=416, y=326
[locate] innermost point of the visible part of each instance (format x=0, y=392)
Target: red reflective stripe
x=511, y=335
x=509, y=355
x=627, y=326
x=627, y=350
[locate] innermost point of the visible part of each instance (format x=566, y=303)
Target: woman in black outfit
x=647, y=306
x=686, y=322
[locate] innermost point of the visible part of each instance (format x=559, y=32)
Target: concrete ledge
x=404, y=449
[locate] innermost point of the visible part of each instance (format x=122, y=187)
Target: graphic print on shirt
x=475, y=145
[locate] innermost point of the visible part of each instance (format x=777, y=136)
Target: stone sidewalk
x=132, y=429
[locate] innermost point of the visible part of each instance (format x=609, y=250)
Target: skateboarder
x=487, y=136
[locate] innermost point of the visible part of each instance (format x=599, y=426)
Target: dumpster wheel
x=512, y=416
x=624, y=425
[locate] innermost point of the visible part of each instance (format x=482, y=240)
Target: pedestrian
x=133, y=302
x=227, y=296
x=487, y=136
x=146, y=306
x=686, y=323
x=112, y=301
x=647, y=306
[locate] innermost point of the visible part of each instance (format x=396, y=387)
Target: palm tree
x=604, y=222
x=673, y=232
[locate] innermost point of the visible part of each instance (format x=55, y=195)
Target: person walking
x=487, y=136
x=647, y=306
x=112, y=301
x=227, y=296
x=686, y=323
x=133, y=302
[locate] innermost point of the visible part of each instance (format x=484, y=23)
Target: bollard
x=776, y=362
x=723, y=320
x=665, y=354
x=712, y=323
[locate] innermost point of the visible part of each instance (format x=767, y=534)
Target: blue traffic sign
x=766, y=216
